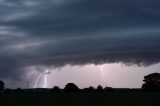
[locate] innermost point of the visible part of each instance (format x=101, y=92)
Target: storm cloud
x=77, y=32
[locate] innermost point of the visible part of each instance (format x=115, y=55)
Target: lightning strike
x=37, y=80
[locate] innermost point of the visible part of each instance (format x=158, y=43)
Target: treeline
x=69, y=88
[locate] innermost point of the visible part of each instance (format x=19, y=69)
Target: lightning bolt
x=37, y=80
x=45, y=81
x=101, y=67
x=47, y=72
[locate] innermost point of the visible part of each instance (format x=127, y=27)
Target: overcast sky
x=53, y=33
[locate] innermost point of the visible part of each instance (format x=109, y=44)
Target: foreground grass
x=82, y=99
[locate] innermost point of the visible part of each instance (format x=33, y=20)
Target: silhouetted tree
x=18, y=90
x=152, y=82
x=56, y=89
x=108, y=89
x=99, y=88
x=1, y=85
x=71, y=87
x=89, y=89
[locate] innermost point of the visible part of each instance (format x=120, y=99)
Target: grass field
x=82, y=99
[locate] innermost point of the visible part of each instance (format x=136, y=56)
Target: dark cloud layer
x=77, y=32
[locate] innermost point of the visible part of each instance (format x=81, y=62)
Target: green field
x=82, y=99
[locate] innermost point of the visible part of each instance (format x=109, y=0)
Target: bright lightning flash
x=37, y=80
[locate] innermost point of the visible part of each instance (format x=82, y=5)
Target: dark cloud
x=77, y=32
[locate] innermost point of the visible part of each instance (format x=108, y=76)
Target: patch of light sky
x=114, y=75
